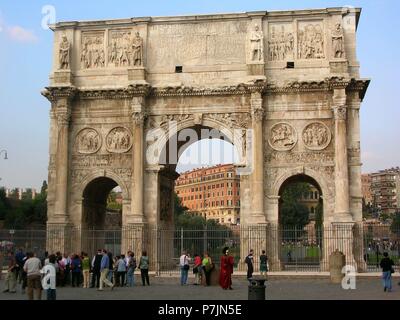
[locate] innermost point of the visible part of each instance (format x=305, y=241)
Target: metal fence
x=297, y=249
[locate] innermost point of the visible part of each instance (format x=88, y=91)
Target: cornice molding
x=261, y=87
x=62, y=92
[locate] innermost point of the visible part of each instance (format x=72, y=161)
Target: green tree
x=292, y=212
x=43, y=189
x=395, y=226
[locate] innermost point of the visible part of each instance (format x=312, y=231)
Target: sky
x=25, y=60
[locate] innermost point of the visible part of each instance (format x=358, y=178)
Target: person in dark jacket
x=250, y=265
x=76, y=268
x=387, y=270
x=96, y=263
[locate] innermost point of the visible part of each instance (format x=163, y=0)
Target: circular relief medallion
x=119, y=140
x=316, y=136
x=283, y=137
x=88, y=141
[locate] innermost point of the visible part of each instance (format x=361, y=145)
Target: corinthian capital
x=138, y=118
x=339, y=112
x=257, y=114
x=63, y=117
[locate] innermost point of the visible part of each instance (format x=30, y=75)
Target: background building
x=213, y=193
x=385, y=189
x=366, y=188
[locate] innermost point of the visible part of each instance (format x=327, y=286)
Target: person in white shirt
x=32, y=267
x=49, y=278
x=184, y=264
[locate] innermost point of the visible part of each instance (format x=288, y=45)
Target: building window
x=316, y=194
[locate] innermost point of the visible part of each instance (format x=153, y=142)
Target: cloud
x=19, y=34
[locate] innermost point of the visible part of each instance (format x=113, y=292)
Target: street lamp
x=5, y=154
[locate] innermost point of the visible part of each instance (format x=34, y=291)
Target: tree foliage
x=292, y=212
x=25, y=213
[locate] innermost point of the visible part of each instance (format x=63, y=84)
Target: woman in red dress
x=225, y=274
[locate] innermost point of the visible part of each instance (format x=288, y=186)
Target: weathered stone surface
x=114, y=81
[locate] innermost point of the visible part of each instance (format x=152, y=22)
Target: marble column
x=342, y=209
x=257, y=177
x=63, y=114
x=138, y=118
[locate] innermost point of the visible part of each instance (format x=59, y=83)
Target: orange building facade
x=212, y=192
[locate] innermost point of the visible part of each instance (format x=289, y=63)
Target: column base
x=61, y=237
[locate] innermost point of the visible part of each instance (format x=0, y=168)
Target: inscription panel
x=197, y=44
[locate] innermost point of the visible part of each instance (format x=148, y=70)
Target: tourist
x=110, y=267
x=144, y=268
x=86, y=270
x=32, y=267
x=60, y=277
x=67, y=268
x=249, y=260
x=263, y=263
x=104, y=269
x=226, y=270
x=49, y=272
x=387, y=270
x=76, y=268
x=131, y=270
x=96, y=262
x=208, y=266
x=20, y=259
x=197, y=269
x=121, y=270
x=184, y=265
x=11, y=277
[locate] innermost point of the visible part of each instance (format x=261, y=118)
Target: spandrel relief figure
x=256, y=44
x=337, y=41
x=64, y=53
x=137, y=47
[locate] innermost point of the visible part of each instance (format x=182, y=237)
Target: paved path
x=277, y=289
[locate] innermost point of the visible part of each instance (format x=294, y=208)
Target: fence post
x=181, y=241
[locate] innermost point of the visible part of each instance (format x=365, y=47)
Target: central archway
x=173, y=240
x=300, y=223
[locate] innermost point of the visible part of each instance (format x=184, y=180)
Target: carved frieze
x=281, y=42
x=92, y=50
x=119, y=140
x=316, y=136
x=299, y=157
x=283, y=137
x=102, y=161
x=311, y=40
x=124, y=49
x=119, y=48
x=87, y=141
x=231, y=120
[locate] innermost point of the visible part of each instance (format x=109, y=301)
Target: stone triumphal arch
x=289, y=80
